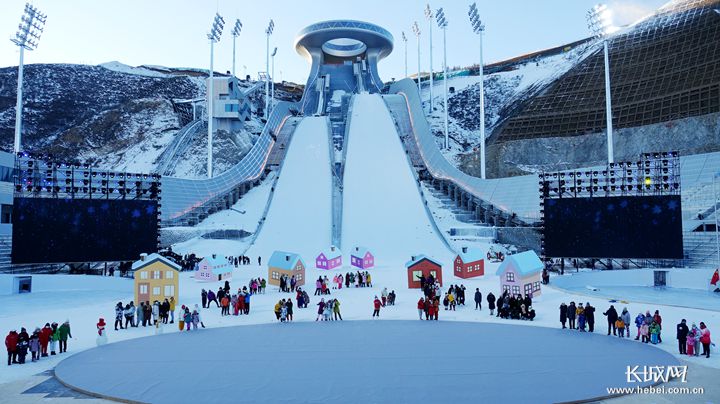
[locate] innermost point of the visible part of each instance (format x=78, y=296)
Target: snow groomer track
x=360, y=362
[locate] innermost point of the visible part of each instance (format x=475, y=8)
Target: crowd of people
x=359, y=279
x=18, y=344
x=328, y=310
x=239, y=260
x=648, y=327
x=515, y=307
x=321, y=286
x=189, y=318
x=145, y=314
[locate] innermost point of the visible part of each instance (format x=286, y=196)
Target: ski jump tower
x=344, y=55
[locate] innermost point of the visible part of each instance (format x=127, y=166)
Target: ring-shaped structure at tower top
x=322, y=36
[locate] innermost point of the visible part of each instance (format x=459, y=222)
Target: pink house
x=329, y=259
x=361, y=258
x=214, y=268
x=520, y=274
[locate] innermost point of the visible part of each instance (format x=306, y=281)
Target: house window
x=510, y=277
x=169, y=290
x=516, y=290
x=156, y=290
x=298, y=277
x=143, y=289
x=143, y=275
x=536, y=286
x=275, y=275
x=319, y=263
x=417, y=275
x=506, y=288
x=156, y=275
x=169, y=274
x=434, y=274
x=528, y=289
x=458, y=268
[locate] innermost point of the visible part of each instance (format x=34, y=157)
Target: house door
x=143, y=292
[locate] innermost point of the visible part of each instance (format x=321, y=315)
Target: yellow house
x=156, y=278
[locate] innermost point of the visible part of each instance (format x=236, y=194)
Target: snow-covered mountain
x=504, y=90
x=116, y=116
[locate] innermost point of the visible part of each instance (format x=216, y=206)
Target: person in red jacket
x=377, y=303
x=421, y=307
x=705, y=339
x=436, y=307
x=11, y=341
x=45, y=335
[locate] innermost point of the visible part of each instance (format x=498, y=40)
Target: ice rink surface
x=361, y=362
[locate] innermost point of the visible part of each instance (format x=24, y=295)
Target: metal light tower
x=272, y=77
x=478, y=28
x=235, y=33
x=416, y=31
x=268, y=32
x=442, y=24
x=600, y=25
x=404, y=38
x=213, y=36
x=27, y=37
x=429, y=17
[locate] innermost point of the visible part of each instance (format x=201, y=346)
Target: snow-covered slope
x=300, y=215
x=382, y=207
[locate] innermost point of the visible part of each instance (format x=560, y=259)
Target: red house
x=422, y=265
x=469, y=263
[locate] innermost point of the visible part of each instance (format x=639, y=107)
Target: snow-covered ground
x=300, y=215
x=382, y=207
x=83, y=299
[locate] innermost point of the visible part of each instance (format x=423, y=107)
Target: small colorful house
x=286, y=263
x=361, y=258
x=156, y=278
x=213, y=268
x=469, y=263
x=329, y=259
x=422, y=266
x=521, y=274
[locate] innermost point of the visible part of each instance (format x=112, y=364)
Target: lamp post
x=416, y=31
x=442, y=24
x=235, y=33
x=213, y=36
x=479, y=28
x=404, y=38
x=600, y=25
x=272, y=77
x=429, y=17
x=27, y=37
x=268, y=32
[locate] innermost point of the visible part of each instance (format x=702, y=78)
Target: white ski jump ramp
x=382, y=206
x=300, y=215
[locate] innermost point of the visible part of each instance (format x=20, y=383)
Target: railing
x=515, y=195
x=182, y=138
x=183, y=196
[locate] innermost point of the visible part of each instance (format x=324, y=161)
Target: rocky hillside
x=115, y=116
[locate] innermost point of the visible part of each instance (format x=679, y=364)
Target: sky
x=173, y=32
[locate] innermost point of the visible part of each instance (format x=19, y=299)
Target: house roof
x=526, y=263
x=277, y=260
x=472, y=255
x=359, y=251
x=152, y=258
x=419, y=258
x=330, y=254
x=216, y=261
